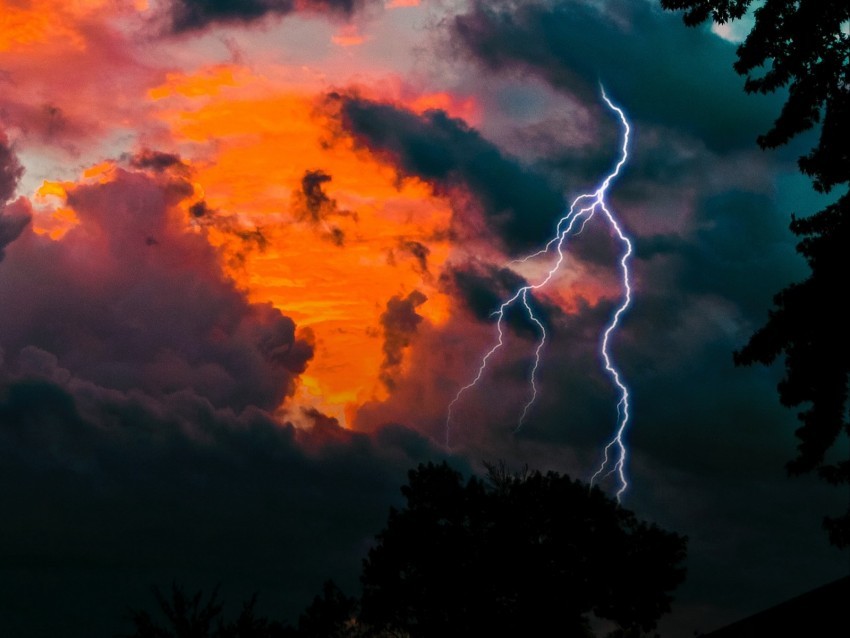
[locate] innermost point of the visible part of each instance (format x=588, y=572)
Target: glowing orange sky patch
x=52, y=217
x=47, y=22
x=397, y=4
x=206, y=83
x=348, y=36
x=101, y=172
x=253, y=144
x=22, y=26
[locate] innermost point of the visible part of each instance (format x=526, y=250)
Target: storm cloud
x=399, y=322
x=482, y=289
x=107, y=493
x=312, y=204
x=519, y=204
x=131, y=299
x=140, y=439
x=666, y=74
x=190, y=15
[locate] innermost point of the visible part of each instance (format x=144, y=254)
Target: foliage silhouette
x=520, y=555
x=332, y=614
x=190, y=617
x=805, y=45
x=800, y=45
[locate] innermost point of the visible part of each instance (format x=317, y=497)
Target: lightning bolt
x=582, y=210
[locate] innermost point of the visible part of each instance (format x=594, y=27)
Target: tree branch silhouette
x=805, y=45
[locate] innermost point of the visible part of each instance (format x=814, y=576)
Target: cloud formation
x=109, y=492
x=139, y=438
x=130, y=298
x=190, y=15
x=15, y=217
x=138, y=434
x=576, y=45
x=312, y=205
x=519, y=204
x=399, y=322
x=482, y=288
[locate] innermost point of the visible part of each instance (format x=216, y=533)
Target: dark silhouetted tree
x=332, y=614
x=805, y=45
x=191, y=617
x=188, y=617
x=529, y=554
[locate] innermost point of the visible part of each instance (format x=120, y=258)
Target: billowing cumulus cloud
x=131, y=299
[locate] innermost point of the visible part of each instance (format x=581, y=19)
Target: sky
x=250, y=252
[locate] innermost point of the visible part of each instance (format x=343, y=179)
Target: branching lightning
x=583, y=208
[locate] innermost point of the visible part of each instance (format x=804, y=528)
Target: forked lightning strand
x=581, y=211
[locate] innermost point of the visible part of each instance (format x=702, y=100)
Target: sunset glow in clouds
x=304, y=214
x=247, y=138
x=250, y=251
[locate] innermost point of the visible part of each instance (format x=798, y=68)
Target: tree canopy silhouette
x=805, y=45
x=188, y=616
x=520, y=555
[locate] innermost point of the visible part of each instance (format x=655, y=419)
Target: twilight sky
x=249, y=253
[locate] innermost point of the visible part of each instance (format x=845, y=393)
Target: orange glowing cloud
x=251, y=144
x=36, y=24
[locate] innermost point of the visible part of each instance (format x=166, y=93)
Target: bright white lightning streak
x=581, y=211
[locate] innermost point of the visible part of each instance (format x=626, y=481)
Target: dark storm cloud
x=106, y=493
x=708, y=441
x=659, y=71
x=740, y=251
x=482, y=288
x=130, y=300
x=200, y=209
x=12, y=224
x=518, y=202
x=156, y=160
x=315, y=199
x=311, y=204
x=189, y=15
x=10, y=170
x=697, y=294
x=14, y=217
x=399, y=322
